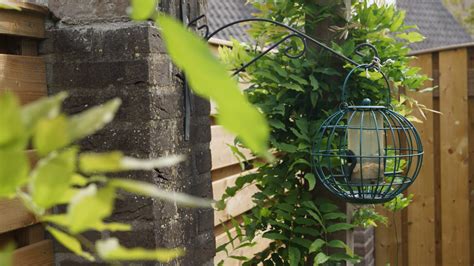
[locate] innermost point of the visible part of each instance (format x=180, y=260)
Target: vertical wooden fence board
x=454, y=157
x=420, y=214
x=471, y=150
x=388, y=239
x=471, y=176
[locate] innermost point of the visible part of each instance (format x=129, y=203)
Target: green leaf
x=294, y=256
x=70, y=243
x=334, y=216
x=316, y=245
x=339, y=227
x=398, y=21
x=411, y=36
x=311, y=180
x=328, y=207
x=209, y=79
x=302, y=242
x=307, y=231
x=341, y=256
x=89, y=207
x=149, y=190
x=12, y=133
x=110, y=250
x=7, y=5
x=274, y=236
x=314, y=82
x=93, y=119
x=320, y=258
x=44, y=108
x=6, y=254
x=14, y=167
x=277, y=124
x=337, y=244
x=51, y=134
x=52, y=176
x=116, y=162
x=142, y=9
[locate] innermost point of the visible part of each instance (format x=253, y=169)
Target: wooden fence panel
x=24, y=73
x=453, y=68
x=421, y=213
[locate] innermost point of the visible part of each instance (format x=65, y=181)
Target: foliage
x=297, y=95
x=65, y=176
x=367, y=217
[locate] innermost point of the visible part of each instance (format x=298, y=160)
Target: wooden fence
x=438, y=227
x=23, y=72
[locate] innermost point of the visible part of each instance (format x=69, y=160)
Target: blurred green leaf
x=52, y=176
x=6, y=254
x=110, y=249
x=89, y=207
x=14, y=167
x=51, y=134
x=93, y=119
x=149, y=190
x=44, y=108
x=70, y=243
x=12, y=133
x=209, y=79
x=142, y=9
x=117, y=162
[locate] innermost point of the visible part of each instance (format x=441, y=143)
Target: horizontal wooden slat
x=14, y=215
x=261, y=244
x=222, y=156
x=26, y=24
x=40, y=253
x=24, y=75
x=240, y=203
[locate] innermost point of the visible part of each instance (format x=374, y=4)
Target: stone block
x=73, y=10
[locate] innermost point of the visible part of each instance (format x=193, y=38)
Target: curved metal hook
x=266, y=51
x=375, y=58
x=372, y=65
x=294, y=31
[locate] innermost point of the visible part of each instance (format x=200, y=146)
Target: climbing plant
x=296, y=95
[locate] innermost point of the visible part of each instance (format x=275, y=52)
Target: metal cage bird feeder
x=365, y=153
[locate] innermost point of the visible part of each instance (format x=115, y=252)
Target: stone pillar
x=96, y=53
x=364, y=245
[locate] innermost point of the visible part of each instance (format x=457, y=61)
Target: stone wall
x=96, y=53
x=364, y=245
